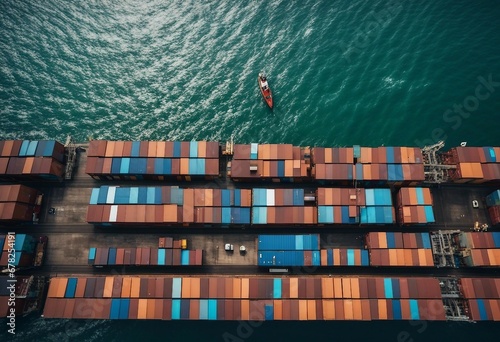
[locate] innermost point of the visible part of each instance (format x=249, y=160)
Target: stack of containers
x=168, y=205
x=255, y=298
x=474, y=164
x=344, y=257
x=370, y=166
x=333, y=163
x=155, y=160
x=378, y=209
x=17, y=202
x=395, y=165
x=31, y=160
x=414, y=206
x=482, y=295
x=493, y=204
x=145, y=256
x=336, y=205
x=281, y=206
x=276, y=162
x=24, y=246
x=481, y=248
x=288, y=250
x=399, y=249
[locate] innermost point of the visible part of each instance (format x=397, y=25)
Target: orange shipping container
x=241, y=288
x=108, y=287
x=311, y=310
x=150, y=314
x=142, y=309
x=61, y=287
x=328, y=309
x=110, y=147
x=408, y=257
x=288, y=168
x=186, y=288
x=278, y=309
x=170, y=213
x=302, y=310
x=346, y=288
x=245, y=310
x=126, y=287
x=382, y=309
x=327, y=287
x=294, y=288
x=135, y=287
x=348, y=309
x=202, y=149
x=184, y=166
x=195, y=288
x=357, y=310
x=54, y=283
x=209, y=197
x=355, y=288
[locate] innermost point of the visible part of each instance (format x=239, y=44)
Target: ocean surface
x=343, y=73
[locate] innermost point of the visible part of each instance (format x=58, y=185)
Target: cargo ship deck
x=63, y=219
x=70, y=235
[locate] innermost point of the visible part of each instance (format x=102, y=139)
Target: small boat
x=265, y=90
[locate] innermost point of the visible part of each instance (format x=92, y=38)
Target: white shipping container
x=270, y=197
x=113, y=213
x=110, y=199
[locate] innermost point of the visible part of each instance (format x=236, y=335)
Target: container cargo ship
x=388, y=221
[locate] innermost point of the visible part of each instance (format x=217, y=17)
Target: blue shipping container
x=42, y=144
x=396, y=309
x=184, y=257
x=116, y=165
x=112, y=256
x=496, y=239
x=226, y=216
x=193, y=149
x=24, y=148
x=269, y=312
x=133, y=195
x=92, y=251
x=277, y=288
x=298, y=197
x=124, y=308
x=316, y=258
x=325, y=214
x=115, y=308
x=70, y=288
x=48, y=151
x=388, y=288
x=429, y=214
x=103, y=194
x=177, y=149
x=226, y=197
x=350, y=257
x=142, y=195
x=415, y=315
x=176, y=308
x=31, y=148
x=161, y=256
x=365, y=260
x=212, y=309
x=259, y=215
x=125, y=165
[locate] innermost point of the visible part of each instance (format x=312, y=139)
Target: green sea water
x=343, y=73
